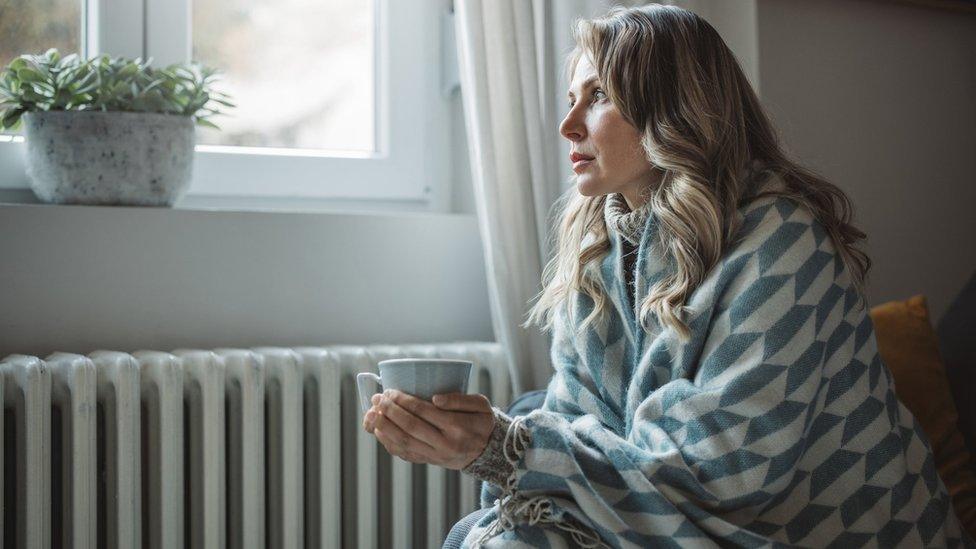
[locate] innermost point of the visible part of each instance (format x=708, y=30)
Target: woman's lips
x=581, y=165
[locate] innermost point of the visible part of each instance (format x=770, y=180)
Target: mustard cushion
x=909, y=347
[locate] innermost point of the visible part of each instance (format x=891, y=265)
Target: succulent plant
x=50, y=82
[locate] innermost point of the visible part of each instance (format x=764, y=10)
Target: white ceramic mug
x=420, y=377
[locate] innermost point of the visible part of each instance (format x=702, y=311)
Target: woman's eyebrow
x=586, y=84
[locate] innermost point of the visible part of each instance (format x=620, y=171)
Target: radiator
x=250, y=448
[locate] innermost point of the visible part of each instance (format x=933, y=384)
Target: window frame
x=411, y=163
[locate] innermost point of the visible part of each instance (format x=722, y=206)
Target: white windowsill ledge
x=26, y=198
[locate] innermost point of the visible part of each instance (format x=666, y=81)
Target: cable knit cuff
x=491, y=466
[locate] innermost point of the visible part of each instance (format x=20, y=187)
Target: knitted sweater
x=775, y=423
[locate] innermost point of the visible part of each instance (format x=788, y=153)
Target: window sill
x=26, y=197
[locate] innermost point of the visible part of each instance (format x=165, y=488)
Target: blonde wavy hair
x=670, y=74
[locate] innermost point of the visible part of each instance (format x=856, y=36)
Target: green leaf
x=152, y=85
x=11, y=118
x=70, y=59
x=207, y=123
x=37, y=64
x=29, y=75
x=128, y=70
x=79, y=102
x=43, y=88
x=62, y=97
x=32, y=95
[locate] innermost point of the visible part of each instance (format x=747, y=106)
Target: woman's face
x=596, y=130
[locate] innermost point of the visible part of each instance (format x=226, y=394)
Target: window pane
x=299, y=71
x=34, y=26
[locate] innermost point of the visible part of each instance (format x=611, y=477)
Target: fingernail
x=438, y=399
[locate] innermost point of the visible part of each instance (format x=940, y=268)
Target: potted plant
x=107, y=130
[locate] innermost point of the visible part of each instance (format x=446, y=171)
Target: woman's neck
x=637, y=194
x=633, y=200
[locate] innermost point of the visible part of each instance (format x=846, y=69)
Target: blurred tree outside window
x=34, y=26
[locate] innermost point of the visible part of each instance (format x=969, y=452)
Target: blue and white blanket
x=775, y=424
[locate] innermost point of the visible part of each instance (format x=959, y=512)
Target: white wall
x=735, y=21
x=80, y=278
x=880, y=97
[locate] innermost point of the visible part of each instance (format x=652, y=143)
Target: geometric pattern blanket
x=775, y=424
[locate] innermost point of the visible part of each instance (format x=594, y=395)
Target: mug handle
x=365, y=394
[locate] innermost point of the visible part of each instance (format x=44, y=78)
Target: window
x=36, y=25
x=337, y=99
x=301, y=89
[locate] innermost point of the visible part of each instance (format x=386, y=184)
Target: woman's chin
x=587, y=187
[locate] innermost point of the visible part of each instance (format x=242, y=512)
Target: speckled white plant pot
x=109, y=158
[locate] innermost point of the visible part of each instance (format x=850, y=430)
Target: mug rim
x=436, y=360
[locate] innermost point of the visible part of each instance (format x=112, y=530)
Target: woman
x=717, y=380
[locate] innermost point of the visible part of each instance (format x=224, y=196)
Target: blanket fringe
x=537, y=509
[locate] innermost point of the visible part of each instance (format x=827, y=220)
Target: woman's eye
x=597, y=94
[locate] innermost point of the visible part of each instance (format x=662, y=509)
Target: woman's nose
x=571, y=128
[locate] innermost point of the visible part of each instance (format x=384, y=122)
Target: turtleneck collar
x=629, y=224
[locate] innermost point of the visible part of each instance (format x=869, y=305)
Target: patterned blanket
x=775, y=424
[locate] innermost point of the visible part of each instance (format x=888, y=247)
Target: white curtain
x=510, y=55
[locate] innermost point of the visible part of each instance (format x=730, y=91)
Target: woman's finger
x=389, y=430
x=460, y=402
x=399, y=449
x=392, y=446
x=438, y=418
x=410, y=423
x=416, y=458
x=369, y=419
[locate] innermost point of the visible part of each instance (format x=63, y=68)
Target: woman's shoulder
x=779, y=223
x=779, y=241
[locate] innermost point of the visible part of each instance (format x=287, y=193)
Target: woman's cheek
x=598, y=125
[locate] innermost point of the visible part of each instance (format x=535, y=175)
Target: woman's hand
x=452, y=432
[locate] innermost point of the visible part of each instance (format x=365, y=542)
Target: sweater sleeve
x=491, y=466
x=696, y=443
